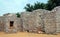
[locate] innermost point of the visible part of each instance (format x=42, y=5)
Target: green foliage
x=29, y=7
x=52, y=3
x=36, y=5
x=49, y=5
x=39, y=5
x=18, y=15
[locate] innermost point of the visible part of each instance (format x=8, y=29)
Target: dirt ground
x=25, y=34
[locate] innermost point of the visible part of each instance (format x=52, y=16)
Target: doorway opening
x=11, y=23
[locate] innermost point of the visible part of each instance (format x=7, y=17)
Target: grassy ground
x=25, y=34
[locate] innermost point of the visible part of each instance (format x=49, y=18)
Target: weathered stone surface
x=37, y=21
x=5, y=23
x=2, y=23
x=57, y=11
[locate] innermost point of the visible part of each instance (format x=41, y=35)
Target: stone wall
x=57, y=11
x=45, y=21
x=16, y=24
x=39, y=20
x=50, y=22
x=2, y=23
x=19, y=24
x=29, y=21
x=35, y=21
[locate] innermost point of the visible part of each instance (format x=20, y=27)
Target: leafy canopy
x=48, y=6
x=18, y=15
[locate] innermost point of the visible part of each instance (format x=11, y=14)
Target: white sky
x=14, y=6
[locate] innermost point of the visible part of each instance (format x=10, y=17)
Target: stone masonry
x=37, y=21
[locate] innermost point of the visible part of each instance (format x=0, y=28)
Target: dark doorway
x=27, y=30
x=11, y=23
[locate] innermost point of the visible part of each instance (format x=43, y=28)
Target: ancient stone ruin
x=37, y=21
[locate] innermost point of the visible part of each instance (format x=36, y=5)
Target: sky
x=14, y=6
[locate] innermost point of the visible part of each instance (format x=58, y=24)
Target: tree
x=18, y=15
x=52, y=3
x=29, y=7
x=48, y=6
x=37, y=5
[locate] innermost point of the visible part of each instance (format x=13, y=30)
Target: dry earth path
x=25, y=34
